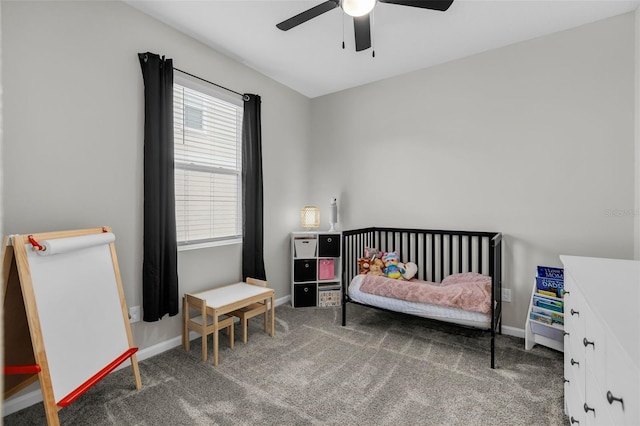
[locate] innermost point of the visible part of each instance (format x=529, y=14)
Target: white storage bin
x=305, y=247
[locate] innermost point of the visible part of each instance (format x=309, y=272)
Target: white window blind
x=208, y=162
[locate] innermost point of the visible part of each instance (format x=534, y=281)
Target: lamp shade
x=310, y=217
x=358, y=7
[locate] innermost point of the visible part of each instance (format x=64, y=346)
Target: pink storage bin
x=326, y=270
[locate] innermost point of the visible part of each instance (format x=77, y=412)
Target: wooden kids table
x=225, y=299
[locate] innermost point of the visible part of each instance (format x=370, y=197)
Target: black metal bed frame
x=437, y=253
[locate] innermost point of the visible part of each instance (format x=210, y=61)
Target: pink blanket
x=463, y=292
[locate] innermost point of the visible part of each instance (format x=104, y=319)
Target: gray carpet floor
x=382, y=369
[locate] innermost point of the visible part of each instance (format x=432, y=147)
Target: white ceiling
x=310, y=59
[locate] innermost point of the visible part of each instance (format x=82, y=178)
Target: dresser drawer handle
x=566, y=380
x=566, y=292
x=586, y=343
x=575, y=312
x=587, y=409
x=574, y=362
x=574, y=420
x=612, y=398
x=565, y=333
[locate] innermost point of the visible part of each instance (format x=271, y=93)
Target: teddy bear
x=376, y=267
x=363, y=265
x=370, y=266
x=391, y=266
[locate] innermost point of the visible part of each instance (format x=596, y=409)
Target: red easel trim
x=96, y=378
x=34, y=243
x=21, y=369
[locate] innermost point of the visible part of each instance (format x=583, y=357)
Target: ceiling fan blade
x=440, y=5
x=362, y=29
x=303, y=17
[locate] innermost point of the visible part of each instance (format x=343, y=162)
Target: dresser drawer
x=623, y=381
x=595, y=407
x=573, y=319
x=595, y=346
x=574, y=404
x=574, y=369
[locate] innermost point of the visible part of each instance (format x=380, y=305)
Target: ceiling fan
x=359, y=10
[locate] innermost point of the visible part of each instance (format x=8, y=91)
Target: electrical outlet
x=506, y=295
x=134, y=314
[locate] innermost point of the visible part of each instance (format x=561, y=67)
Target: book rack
x=545, y=322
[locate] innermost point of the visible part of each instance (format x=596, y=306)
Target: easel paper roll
x=65, y=245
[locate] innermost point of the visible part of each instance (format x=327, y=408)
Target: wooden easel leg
x=50, y=407
x=136, y=371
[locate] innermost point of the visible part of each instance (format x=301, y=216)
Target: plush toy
x=371, y=253
x=363, y=265
x=391, y=266
x=376, y=267
x=370, y=266
x=410, y=270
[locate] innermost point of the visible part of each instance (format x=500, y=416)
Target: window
x=208, y=162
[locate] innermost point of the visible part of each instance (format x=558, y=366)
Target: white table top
x=232, y=293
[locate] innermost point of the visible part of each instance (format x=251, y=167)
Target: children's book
x=550, y=272
x=551, y=285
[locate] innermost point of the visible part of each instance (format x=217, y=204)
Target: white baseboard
x=512, y=331
x=21, y=401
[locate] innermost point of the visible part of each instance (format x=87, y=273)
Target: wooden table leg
x=185, y=329
x=215, y=337
x=273, y=316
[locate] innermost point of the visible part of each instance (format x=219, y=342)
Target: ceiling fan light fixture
x=357, y=8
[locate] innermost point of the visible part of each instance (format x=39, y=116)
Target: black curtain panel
x=160, y=252
x=252, y=220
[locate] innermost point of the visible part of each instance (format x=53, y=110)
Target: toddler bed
x=462, y=270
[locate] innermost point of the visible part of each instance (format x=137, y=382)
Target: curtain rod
x=244, y=97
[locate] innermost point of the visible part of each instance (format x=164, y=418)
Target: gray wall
x=535, y=140
x=637, y=138
x=74, y=115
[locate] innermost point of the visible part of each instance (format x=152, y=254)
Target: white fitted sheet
x=442, y=313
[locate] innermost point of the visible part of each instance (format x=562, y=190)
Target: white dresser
x=602, y=341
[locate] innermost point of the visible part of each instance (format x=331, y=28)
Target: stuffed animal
x=371, y=253
x=363, y=265
x=391, y=266
x=370, y=266
x=376, y=267
x=410, y=270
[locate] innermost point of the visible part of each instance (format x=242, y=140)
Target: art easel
x=65, y=315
